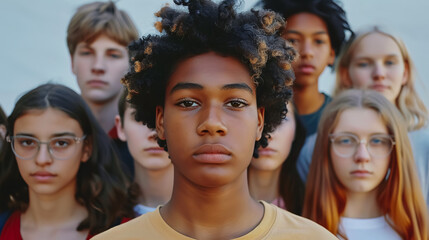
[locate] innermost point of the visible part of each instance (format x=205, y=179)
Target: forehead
x=361, y=121
x=46, y=122
x=210, y=70
x=306, y=23
x=102, y=41
x=376, y=44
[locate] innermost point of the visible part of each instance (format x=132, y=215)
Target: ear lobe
x=160, y=122
x=87, y=150
x=120, y=129
x=260, y=127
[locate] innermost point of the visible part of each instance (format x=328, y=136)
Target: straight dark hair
x=101, y=186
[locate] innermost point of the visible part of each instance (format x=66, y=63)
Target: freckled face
x=210, y=120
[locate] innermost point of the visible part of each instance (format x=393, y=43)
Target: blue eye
x=362, y=64
x=389, y=63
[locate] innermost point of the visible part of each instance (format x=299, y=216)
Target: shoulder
x=127, y=230
x=290, y=226
x=11, y=227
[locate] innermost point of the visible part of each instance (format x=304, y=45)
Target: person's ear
x=87, y=150
x=345, y=80
x=260, y=127
x=160, y=122
x=406, y=74
x=120, y=129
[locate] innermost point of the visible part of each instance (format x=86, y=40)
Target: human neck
x=209, y=212
x=53, y=210
x=307, y=99
x=362, y=205
x=105, y=113
x=156, y=186
x=264, y=185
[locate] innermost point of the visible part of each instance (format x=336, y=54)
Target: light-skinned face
x=279, y=145
x=377, y=64
x=210, y=120
x=44, y=174
x=309, y=35
x=99, y=67
x=141, y=142
x=362, y=172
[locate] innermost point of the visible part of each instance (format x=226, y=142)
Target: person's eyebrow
x=61, y=134
x=185, y=85
x=299, y=33
x=238, y=86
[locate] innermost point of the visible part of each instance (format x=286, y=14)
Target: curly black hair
x=329, y=10
x=252, y=37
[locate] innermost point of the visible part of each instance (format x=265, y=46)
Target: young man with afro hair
x=214, y=84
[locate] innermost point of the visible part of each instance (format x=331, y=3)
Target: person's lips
x=43, y=176
x=306, y=69
x=266, y=151
x=361, y=173
x=379, y=87
x=96, y=83
x=154, y=150
x=212, y=153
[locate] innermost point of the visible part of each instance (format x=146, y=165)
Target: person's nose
x=98, y=65
x=379, y=72
x=211, y=121
x=43, y=157
x=307, y=51
x=362, y=154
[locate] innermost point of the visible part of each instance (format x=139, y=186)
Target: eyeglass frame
x=9, y=139
x=359, y=142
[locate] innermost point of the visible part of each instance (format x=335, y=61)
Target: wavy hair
x=253, y=38
x=399, y=197
x=408, y=102
x=101, y=186
x=96, y=18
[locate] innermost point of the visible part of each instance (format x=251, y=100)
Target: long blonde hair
x=408, y=102
x=399, y=197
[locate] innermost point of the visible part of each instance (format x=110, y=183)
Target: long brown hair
x=399, y=197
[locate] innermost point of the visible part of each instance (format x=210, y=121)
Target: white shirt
x=368, y=229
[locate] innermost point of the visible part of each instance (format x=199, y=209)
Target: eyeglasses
x=60, y=148
x=346, y=145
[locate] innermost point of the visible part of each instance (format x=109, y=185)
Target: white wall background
x=33, y=46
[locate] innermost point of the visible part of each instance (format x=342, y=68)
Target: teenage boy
x=317, y=29
x=153, y=170
x=97, y=36
x=213, y=84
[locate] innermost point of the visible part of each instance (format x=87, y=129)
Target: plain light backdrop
x=33, y=46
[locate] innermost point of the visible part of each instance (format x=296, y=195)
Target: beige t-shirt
x=276, y=224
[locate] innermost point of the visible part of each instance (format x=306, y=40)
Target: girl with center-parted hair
x=59, y=176
x=363, y=183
